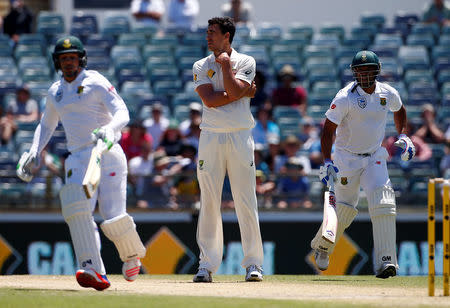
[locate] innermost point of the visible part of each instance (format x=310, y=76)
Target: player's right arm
x=42, y=135
x=326, y=141
x=204, y=87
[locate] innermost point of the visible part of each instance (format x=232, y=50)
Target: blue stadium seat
x=413, y=57
x=126, y=74
x=365, y=30
x=124, y=51
x=426, y=28
x=393, y=40
x=317, y=112
x=316, y=51
x=360, y=41
x=414, y=75
x=5, y=50
x=321, y=75
x=385, y=51
x=406, y=18
x=27, y=51
x=148, y=30
x=443, y=76
x=127, y=62
x=334, y=29
x=285, y=112
x=313, y=63
x=440, y=51
x=326, y=40
x=284, y=51
x=328, y=87
x=294, y=40
x=184, y=98
x=269, y=30
x=167, y=39
x=257, y=40
x=50, y=23
x=157, y=74
x=132, y=39
x=115, y=24
x=426, y=40
x=189, y=51
x=444, y=40
x=167, y=87
x=99, y=63
x=186, y=62
x=104, y=41
x=195, y=39
x=300, y=30
x=375, y=19
x=160, y=62
x=135, y=87
x=181, y=112
x=441, y=63
x=157, y=51
x=87, y=20
x=96, y=51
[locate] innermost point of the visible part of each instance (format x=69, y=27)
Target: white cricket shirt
x=87, y=103
x=236, y=115
x=361, y=117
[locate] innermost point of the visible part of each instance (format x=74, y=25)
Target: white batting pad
x=382, y=211
x=76, y=211
x=345, y=216
x=121, y=230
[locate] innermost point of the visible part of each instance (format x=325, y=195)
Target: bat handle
x=101, y=146
x=331, y=184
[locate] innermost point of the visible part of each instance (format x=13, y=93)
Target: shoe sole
x=201, y=280
x=87, y=281
x=254, y=278
x=389, y=271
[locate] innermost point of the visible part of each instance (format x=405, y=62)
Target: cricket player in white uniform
x=358, y=117
x=224, y=82
x=89, y=109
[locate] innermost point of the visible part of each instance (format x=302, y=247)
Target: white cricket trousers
x=232, y=153
x=112, y=190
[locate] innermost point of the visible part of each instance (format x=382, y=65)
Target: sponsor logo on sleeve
x=195, y=77
x=211, y=73
x=333, y=106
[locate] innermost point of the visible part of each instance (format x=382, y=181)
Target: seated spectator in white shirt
x=23, y=108
x=157, y=124
x=182, y=13
x=148, y=12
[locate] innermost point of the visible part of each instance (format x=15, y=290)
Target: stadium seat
x=27, y=51
x=321, y=75
x=413, y=57
x=169, y=73
x=96, y=51
x=443, y=76
x=159, y=62
x=278, y=51
x=365, y=30
x=104, y=41
x=5, y=50
x=375, y=19
x=441, y=63
x=300, y=30
x=426, y=28
x=132, y=39
x=414, y=75
x=135, y=87
x=189, y=51
x=89, y=21
x=167, y=87
x=127, y=74
x=326, y=40
x=426, y=40
x=184, y=99
x=394, y=40
x=186, y=62
x=328, y=87
x=444, y=40
x=294, y=40
x=360, y=41
x=118, y=51
x=99, y=63
x=167, y=39
x=334, y=29
x=385, y=51
x=269, y=30
x=314, y=63
x=157, y=51
x=195, y=39
x=440, y=51
x=317, y=112
x=316, y=51
x=148, y=30
x=115, y=24
x=181, y=112
x=50, y=24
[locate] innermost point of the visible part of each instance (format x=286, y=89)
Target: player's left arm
x=237, y=86
x=400, y=120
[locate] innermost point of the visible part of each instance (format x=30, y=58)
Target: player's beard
x=71, y=73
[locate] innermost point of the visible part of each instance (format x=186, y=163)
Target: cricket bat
x=92, y=177
x=330, y=222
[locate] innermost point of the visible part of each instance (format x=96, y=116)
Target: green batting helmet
x=365, y=57
x=366, y=78
x=69, y=44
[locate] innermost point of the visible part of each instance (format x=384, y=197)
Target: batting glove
x=327, y=171
x=27, y=162
x=409, y=150
x=104, y=134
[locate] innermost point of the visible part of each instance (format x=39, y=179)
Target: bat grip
x=331, y=184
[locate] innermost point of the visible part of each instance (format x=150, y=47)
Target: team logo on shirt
x=59, y=95
x=344, y=180
x=382, y=101
x=211, y=73
x=80, y=89
x=200, y=164
x=362, y=102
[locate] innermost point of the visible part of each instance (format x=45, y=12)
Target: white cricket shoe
x=387, y=270
x=322, y=259
x=131, y=269
x=91, y=279
x=203, y=275
x=254, y=273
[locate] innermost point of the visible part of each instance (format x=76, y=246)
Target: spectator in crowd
x=195, y=114
x=238, y=10
x=7, y=126
x=171, y=139
x=291, y=147
x=193, y=138
x=261, y=99
x=186, y=187
x=311, y=141
x=148, y=12
x=139, y=170
x=287, y=93
x=264, y=189
x=444, y=166
x=423, y=150
x=429, y=131
x=273, y=151
x=23, y=108
x=264, y=128
x=437, y=11
x=182, y=13
x=134, y=139
x=293, y=186
x=260, y=163
x=18, y=21
x=157, y=124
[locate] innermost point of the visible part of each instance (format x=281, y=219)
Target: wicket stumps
x=445, y=233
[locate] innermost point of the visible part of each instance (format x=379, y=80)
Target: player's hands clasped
x=327, y=171
x=27, y=162
x=409, y=150
x=223, y=58
x=105, y=134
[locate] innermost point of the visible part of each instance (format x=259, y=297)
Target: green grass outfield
x=226, y=291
